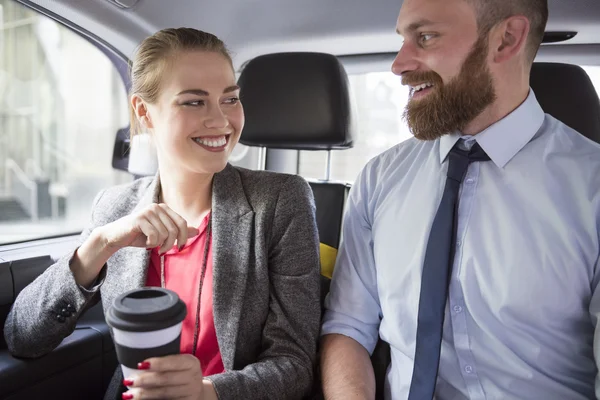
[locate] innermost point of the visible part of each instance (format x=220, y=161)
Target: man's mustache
x=418, y=77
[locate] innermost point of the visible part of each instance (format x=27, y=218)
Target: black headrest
x=566, y=92
x=296, y=101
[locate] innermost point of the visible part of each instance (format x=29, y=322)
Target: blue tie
x=439, y=257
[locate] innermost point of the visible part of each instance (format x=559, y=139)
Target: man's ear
x=509, y=38
x=141, y=112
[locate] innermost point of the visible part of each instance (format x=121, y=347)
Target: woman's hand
x=154, y=226
x=170, y=377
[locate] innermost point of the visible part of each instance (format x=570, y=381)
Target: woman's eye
x=194, y=103
x=232, y=100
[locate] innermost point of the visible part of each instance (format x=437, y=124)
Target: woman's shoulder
x=276, y=196
x=117, y=201
x=271, y=183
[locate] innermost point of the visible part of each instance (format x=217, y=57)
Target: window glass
x=62, y=104
x=380, y=100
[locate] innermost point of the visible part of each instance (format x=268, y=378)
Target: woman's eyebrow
x=202, y=92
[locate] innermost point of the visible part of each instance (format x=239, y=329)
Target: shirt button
x=458, y=243
x=468, y=369
x=457, y=309
x=470, y=181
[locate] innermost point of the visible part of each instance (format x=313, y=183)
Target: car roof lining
x=341, y=27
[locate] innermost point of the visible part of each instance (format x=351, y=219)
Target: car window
x=62, y=104
x=380, y=100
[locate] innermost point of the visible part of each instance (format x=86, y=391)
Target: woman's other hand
x=170, y=377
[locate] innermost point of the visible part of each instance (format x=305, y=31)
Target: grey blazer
x=266, y=282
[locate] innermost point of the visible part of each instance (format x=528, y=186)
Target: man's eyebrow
x=202, y=92
x=415, y=26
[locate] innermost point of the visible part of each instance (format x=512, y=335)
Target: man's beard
x=451, y=107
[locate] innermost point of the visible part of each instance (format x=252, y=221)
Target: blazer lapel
x=233, y=222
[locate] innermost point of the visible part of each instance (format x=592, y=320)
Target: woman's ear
x=141, y=112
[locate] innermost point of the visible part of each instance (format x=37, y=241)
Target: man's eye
x=425, y=37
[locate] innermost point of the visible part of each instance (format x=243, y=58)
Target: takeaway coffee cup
x=146, y=323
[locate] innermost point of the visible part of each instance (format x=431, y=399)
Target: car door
x=64, y=97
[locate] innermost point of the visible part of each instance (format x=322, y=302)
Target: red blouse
x=182, y=275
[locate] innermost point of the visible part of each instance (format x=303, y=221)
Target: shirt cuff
x=341, y=324
x=94, y=286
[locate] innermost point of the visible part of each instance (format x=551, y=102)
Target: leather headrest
x=566, y=92
x=296, y=101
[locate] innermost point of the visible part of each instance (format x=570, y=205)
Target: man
x=471, y=249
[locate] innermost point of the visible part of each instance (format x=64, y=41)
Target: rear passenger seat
x=300, y=101
x=567, y=93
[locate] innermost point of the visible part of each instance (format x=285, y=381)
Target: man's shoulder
x=403, y=155
x=561, y=138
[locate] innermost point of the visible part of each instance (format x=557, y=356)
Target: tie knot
x=460, y=159
x=475, y=154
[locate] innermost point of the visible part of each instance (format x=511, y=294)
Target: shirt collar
x=505, y=138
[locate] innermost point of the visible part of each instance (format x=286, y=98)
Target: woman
x=240, y=247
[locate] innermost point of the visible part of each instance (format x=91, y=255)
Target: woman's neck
x=189, y=195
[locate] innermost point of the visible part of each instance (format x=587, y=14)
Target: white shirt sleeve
x=352, y=306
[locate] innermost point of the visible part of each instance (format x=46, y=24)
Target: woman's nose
x=216, y=119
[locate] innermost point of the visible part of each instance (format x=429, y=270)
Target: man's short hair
x=491, y=12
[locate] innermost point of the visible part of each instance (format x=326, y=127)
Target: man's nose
x=405, y=60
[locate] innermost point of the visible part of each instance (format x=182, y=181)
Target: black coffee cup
x=146, y=323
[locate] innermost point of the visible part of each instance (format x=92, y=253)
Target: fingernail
x=181, y=247
x=144, y=365
x=127, y=396
x=128, y=382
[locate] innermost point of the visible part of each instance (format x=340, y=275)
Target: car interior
x=306, y=71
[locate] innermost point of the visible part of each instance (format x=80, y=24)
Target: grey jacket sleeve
x=285, y=366
x=37, y=323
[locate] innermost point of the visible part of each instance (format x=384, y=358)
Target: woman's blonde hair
x=152, y=56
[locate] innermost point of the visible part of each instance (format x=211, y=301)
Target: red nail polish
x=144, y=365
x=128, y=382
x=127, y=396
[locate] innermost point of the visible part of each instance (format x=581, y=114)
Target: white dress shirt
x=522, y=304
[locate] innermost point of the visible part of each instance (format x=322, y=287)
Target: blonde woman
x=240, y=247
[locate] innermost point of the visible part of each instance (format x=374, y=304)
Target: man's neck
x=506, y=102
x=188, y=194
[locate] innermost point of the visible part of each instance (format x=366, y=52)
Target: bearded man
x=471, y=249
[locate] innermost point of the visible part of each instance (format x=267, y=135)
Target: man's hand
x=171, y=377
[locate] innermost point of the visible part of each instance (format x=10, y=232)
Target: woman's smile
x=213, y=144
